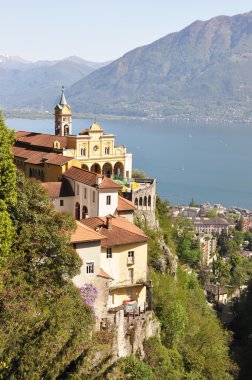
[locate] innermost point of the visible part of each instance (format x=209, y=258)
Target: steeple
x=63, y=117
x=63, y=101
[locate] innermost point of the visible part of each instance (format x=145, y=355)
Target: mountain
x=201, y=72
x=35, y=85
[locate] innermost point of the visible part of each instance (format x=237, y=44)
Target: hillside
x=201, y=72
x=33, y=85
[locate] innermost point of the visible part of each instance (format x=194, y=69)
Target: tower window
x=108, y=200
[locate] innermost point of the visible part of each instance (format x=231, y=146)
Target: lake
x=211, y=163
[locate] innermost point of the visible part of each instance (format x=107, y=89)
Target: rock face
x=201, y=71
x=168, y=262
x=131, y=332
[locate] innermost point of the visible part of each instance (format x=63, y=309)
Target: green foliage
x=228, y=244
x=167, y=364
x=132, y=369
x=137, y=173
x=187, y=246
x=242, y=327
x=193, y=203
x=190, y=327
x=211, y=214
x=7, y=167
x=6, y=234
x=42, y=247
x=44, y=324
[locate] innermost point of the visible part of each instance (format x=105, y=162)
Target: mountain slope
x=202, y=71
x=35, y=85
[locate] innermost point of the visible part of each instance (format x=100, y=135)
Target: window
x=93, y=196
x=85, y=193
x=107, y=150
x=77, y=190
x=108, y=200
x=61, y=202
x=109, y=253
x=131, y=275
x=111, y=298
x=90, y=268
x=130, y=257
x=83, y=151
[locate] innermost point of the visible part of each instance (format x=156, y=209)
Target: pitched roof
x=210, y=221
x=39, y=139
x=122, y=231
x=81, y=175
x=213, y=289
x=90, y=178
x=58, y=189
x=104, y=274
x=125, y=204
x=107, y=183
x=85, y=234
x=37, y=157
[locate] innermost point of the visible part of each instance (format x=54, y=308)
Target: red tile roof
x=90, y=178
x=125, y=205
x=37, y=157
x=58, y=189
x=39, y=139
x=81, y=175
x=122, y=231
x=104, y=274
x=107, y=183
x=85, y=234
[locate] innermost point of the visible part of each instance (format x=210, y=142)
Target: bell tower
x=63, y=117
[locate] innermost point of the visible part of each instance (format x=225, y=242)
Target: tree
x=187, y=246
x=7, y=167
x=132, y=369
x=201, y=342
x=139, y=174
x=44, y=324
x=193, y=203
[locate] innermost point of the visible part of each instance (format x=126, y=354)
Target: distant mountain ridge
x=201, y=72
x=36, y=85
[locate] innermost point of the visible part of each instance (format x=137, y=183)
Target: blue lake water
x=208, y=162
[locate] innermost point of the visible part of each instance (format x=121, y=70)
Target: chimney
x=109, y=222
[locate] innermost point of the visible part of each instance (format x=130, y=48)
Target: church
x=46, y=157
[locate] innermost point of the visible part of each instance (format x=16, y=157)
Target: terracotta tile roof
x=125, y=204
x=85, y=234
x=58, y=189
x=39, y=139
x=122, y=231
x=81, y=175
x=107, y=183
x=37, y=157
x=104, y=274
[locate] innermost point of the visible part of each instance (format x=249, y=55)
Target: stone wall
x=131, y=331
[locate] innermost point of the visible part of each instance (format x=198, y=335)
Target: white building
x=86, y=194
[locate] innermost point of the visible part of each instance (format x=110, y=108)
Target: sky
x=99, y=30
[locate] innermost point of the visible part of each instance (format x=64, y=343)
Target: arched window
x=84, y=212
x=136, y=202
x=77, y=211
x=145, y=201
x=140, y=201
x=149, y=201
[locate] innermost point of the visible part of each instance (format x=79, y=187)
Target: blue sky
x=98, y=30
